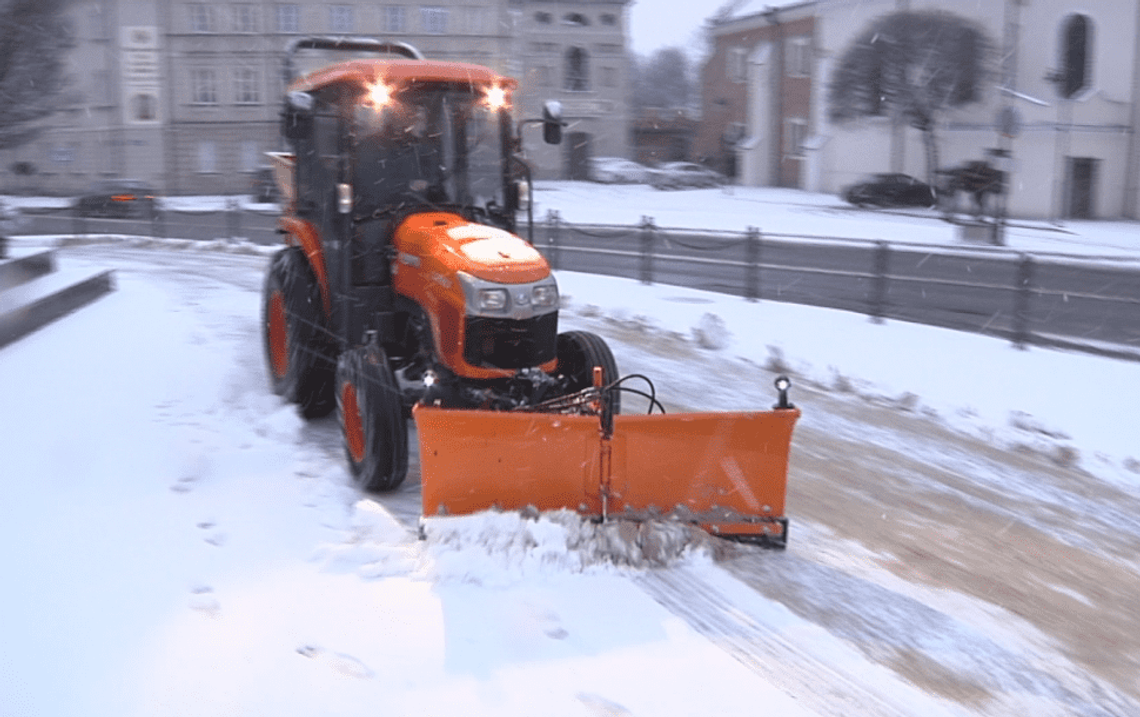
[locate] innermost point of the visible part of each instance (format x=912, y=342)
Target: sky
x=180, y=542
x=654, y=24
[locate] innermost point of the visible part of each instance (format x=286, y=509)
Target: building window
x=795, y=132
x=543, y=18
x=288, y=18
x=207, y=157
x=434, y=20
x=577, y=70
x=799, y=56
x=737, y=67
x=340, y=18
x=395, y=18
x=473, y=20
x=201, y=17
x=609, y=18
x=250, y=156
x=64, y=153
x=246, y=89
x=576, y=19
x=245, y=18
x=144, y=107
x=1076, y=51
x=101, y=88
x=203, y=87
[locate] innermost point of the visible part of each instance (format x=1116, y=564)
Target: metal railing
x=1028, y=298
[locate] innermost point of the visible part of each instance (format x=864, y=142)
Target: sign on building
x=141, y=74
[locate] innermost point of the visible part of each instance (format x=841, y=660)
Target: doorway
x=1081, y=181
x=578, y=155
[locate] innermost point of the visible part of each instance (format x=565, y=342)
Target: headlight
x=544, y=295
x=493, y=299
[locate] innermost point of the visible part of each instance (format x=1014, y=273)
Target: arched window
x=1076, y=55
x=577, y=70
x=575, y=18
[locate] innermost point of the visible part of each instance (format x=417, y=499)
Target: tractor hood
x=446, y=243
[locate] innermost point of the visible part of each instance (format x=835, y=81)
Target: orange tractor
x=404, y=293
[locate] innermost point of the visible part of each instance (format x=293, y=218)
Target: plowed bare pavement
x=1001, y=578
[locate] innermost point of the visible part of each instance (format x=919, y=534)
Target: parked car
x=891, y=190
x=265, y=186
x=678, y=175
x=615, y=170
x=118, y=198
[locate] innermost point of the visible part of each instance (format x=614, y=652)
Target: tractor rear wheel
x=578, y=353
x=297, y=350
x=371, y=413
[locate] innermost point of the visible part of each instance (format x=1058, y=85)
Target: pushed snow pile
x=503, y=547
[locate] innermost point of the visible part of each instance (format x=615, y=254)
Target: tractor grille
x=511, y=343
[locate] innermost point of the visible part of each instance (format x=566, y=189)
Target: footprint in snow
x=203, y=600
x=215, y=537
x=344, y=664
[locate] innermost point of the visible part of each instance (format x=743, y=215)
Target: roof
x=748, y=8
x=400, y=71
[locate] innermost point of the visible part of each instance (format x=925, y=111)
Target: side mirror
x=552, y=122
x=297, y=119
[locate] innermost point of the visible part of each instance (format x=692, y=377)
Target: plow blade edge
x=726, y=472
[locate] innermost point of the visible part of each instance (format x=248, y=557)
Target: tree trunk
x=930, y=142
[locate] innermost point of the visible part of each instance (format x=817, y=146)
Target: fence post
x=1023, y=292
x=647, y=231
x=554, y=238
x=233, y=218
x=157, y=221
x=752, y=255
x=879, y=293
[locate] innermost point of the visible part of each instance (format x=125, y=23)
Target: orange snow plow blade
x=726, y=472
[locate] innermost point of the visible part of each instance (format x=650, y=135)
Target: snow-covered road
x=178, y=541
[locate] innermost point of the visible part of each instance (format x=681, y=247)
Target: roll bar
x=345, y=44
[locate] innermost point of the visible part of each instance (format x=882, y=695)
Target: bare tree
x=911, y=66
x=34, y=39
x=663, y=81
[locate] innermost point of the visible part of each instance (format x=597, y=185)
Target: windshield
x=428, y=145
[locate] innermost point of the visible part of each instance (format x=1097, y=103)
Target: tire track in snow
x=759, y=646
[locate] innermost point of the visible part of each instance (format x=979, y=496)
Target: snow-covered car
x=118, y=198
x=890, y=190
x=615, y=170
x=679, y=175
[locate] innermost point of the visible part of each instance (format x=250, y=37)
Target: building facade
x=185, y=95
x=1062, y=101
x=574, y=52
x=757, y=94
x=1073, y=149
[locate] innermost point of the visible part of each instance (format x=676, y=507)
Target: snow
x=179, y=542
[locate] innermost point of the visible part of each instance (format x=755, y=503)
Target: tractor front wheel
x=372, y=419
x=578, y=353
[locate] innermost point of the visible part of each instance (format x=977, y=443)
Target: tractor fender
x=299, y=232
